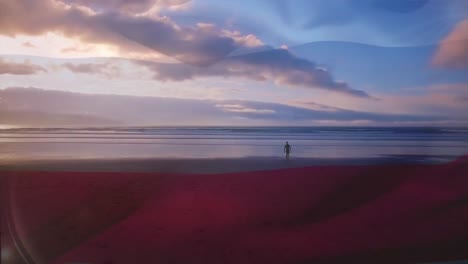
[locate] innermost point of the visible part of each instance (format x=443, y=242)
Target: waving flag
x=154, y=131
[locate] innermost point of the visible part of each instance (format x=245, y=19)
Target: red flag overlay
x=323, y=214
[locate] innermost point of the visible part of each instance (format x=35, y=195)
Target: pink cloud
x=126, y=6
x=129, y=33
x=277, y=65
x=14, y=68
x=201, y=45
x=453, y=50
x=107, y=69
x=28, y=44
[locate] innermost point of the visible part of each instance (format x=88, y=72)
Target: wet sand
x=206, y=165
x=293, y=213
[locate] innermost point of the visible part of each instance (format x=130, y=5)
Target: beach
x=329, y=213
x=229, y=195
x=207, y=165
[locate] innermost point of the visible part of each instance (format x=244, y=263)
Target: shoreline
x=209, y=165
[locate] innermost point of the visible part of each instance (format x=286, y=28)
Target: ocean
x=436, y=143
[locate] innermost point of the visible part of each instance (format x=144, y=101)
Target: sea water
x=230, y=142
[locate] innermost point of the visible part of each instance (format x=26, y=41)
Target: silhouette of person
x=287, y=150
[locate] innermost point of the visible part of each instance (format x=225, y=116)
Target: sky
x=245, y=62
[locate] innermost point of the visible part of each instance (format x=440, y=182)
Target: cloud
x=76, y=48
x=453, y=50
x=278, y=65
x=315, y=106
x=14, y=68
x=286, y=113
x=239, y=108
x=176, y=111
x=107, y=69
x=28, y=44
x=196, y=45
x=249, y=41
x=447, y=100
x=200, y=45
x=127, y=6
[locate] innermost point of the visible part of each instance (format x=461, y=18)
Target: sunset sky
x=245, y=62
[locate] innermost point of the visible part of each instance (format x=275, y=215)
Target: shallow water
x=230, y=142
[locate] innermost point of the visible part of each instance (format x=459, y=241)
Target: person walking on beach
x=287, y=150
